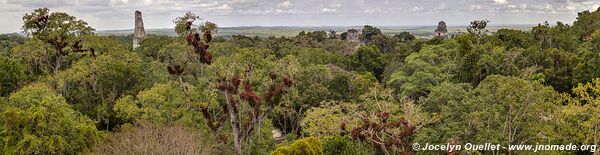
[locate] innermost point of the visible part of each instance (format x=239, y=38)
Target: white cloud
x=335, y=5
x=474, y=7
x=148, y=2
x=207, y=5
x=523, y=6
x=285, y=5
x=222, y=7
x=114, y=14
x=416, y=8
x=119, y=1
x=548, y=6
x=442, y=6
x=328, y=10
x=500, y=2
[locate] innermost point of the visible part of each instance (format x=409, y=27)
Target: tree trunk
x=57, y=68
x=58, y=55
x=508, y=123
x=185, y=91
x=234, y=124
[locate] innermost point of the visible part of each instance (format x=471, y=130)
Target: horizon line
x=317, y=26
x=309, y=26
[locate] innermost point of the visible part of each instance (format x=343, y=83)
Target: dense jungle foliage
x=65, y=90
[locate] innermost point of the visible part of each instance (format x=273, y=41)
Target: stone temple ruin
x=352, y=35
x=353, y=40
x=138, y=32
x=442, y=30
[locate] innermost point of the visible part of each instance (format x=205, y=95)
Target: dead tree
x=257, y=108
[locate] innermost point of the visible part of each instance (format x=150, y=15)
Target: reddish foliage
x=208, y=36
x=256, y=113
x=249, y=96
x=383, y=116
x=190, y=40
x=287, y=82
x=206, y=58
x=235, y=81
x=197, y=36
x=369, y=131
x=201, y=48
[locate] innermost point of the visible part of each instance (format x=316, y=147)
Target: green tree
x=244, y=41
x=562, y=37
x=504, y=110
x=304, y=146
x=386, y=123
x=35, y=120
x=478, y=29
x=423, y=70
x=405, y=36
x=511, y=38
x=335, y=145
x=580, y=117
x=541, y=34
x=8, y=41
x=497, y=61
x=385, y=43
x=325, y=120
x=367, y=58
x=12, y=75
x=588, y=61
x=35, y=55
x=368, y=32
x=163, y=104
x=517, y=111
x=152, y=44
x=558, y=69
x=56, y=29
x=93, y=85
x=250, y=83
x=468, y=54
x=443, y=95
x=318, y=36
x=586, y=24
x=312, y=88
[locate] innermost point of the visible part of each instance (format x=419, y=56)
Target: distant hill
x=288, y=31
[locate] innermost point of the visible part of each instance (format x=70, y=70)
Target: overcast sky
x=119, y=14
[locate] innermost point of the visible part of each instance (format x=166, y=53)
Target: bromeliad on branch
x=258, y=107
x=184, y=26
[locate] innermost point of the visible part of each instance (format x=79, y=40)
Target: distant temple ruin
x=352, y=35
x=442, y=30
x=353, y=40
x=138, y=32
